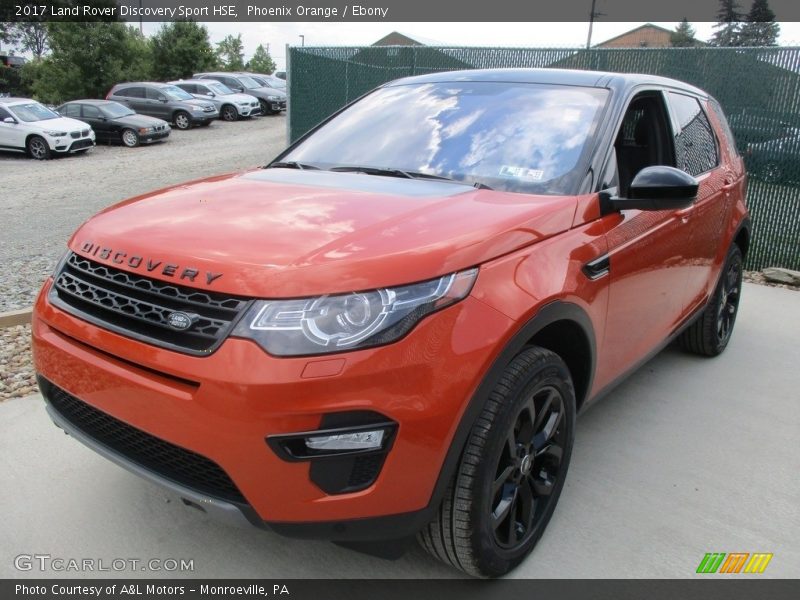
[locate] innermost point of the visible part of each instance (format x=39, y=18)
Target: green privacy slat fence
x=759, y=88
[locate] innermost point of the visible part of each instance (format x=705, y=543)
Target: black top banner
x=379, y=10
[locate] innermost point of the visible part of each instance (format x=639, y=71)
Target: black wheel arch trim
x=400, y=527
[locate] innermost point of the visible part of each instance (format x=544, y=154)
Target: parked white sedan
x=28, y=126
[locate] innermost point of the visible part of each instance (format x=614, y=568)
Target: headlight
x=244, y=104
x=342, y=322
x=197, y=108
x=54, y=133
x=146, y=130
x=273, y=98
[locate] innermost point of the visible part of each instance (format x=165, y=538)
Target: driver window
x=644, y=140
x=91, y=112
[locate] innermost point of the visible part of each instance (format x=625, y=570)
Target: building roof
x=396, y=38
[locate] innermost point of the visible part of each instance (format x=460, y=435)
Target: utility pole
x=593, y=14
x=141, y=28
x=302, y=39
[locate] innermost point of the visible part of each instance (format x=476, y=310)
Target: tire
x=506, y=488
x=182, y=120
x=771, y=172
x=37, y=148
x=130, y=138
x=264, y=108
x=710, y=333
x=229, y=113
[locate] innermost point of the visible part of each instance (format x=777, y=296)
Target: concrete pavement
x=688, y=456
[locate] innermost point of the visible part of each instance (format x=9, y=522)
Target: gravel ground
x=48, y=200
x=16, y=370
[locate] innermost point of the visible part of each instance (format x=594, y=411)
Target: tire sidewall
x=493, y=559
x=734, y=255
x=124, y=131
x=46, y=153
x=180, y=114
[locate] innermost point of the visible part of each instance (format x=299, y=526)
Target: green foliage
x=87, y=59
x=230, y=53
x=683, y=36
x=261, y=62
x=760, y=28
x=728, y=24
x=11, y=81
x=181, y=49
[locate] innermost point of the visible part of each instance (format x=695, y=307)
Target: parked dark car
x=115, y=122
x=272, y=100
x=12, y=61
x=269, y=81
x=775, y=161
x=280, y=75
x=164, y=101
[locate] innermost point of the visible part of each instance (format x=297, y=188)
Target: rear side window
x=695, y=145
x=726, y=128
x=188, y=87
x=130, y=92
x=4, y=114
x=72, y=110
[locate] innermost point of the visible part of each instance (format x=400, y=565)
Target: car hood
x=277, y=233
x=62, y=123
x=140, y=121
x=196, y=102
x=270, y=91
x=238, y=98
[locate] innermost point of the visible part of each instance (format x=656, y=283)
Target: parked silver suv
x=164, y=101
x=231, y=106
x=272, y=100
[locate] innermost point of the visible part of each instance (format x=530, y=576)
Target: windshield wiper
x=390, y=172
x=292, y=164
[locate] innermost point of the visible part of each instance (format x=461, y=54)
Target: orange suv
x=388, y=331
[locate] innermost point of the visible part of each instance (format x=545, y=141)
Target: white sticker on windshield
x=522, y=173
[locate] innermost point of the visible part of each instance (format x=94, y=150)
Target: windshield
x=220, y=89
x=114, y=110
x=33, y=112
x=248, y=82
x=518, y=137
x=277, y=83
x=176, y=93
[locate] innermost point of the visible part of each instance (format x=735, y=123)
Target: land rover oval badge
x=179, y=320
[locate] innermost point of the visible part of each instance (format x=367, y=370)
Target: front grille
x=75, y=135
x=209, y=109
x=154, y=454
x=87, y=143
x=254, y=104
x=140, y=307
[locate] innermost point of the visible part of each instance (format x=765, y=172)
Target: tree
x=683, y=36
x=230, y=53
x=86, y=59
x=181, y=49
x=728, y=24
x=31, y=37
x=261, y=62
x=760, y=28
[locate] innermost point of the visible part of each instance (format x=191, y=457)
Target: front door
x=647, y=250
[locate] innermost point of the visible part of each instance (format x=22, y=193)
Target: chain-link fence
x=759, y=88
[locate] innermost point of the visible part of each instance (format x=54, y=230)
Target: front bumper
x=154, y=137
x=249, y=111
x=67, y=145
x=224, y=406
x=198, y=118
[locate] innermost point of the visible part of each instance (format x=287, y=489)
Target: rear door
x=698, y=153
x=132, y=97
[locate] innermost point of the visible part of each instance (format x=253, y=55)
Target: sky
x=277, y=35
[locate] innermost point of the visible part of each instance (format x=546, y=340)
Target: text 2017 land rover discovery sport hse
x=388, y=331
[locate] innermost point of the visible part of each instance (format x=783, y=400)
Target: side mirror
x=11, y=120
x=163, y=100
x=656, y=188
x=238, y=89
x=211, y=94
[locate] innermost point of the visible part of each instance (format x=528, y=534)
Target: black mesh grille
x=140, y=307
x=365, y=470
x=168, y=460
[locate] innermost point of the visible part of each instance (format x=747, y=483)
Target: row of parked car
x=137, y=113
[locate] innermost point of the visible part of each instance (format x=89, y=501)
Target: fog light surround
x=371, y=438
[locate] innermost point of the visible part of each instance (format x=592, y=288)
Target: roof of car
x=153, y=83
x=193, y=80
x=574, y=77
x=91, y=101
x=10, y=101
